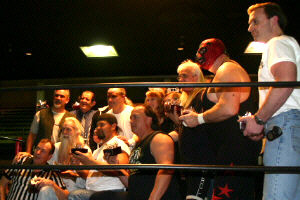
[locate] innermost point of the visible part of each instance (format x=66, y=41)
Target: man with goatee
x=48, y=122
x=101, y=180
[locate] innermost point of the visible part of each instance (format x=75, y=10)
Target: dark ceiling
x=146, y=35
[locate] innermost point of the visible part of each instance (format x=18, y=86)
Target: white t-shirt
x=98, y=181
x=123, y=119
x=36, y=121
x=279, y=49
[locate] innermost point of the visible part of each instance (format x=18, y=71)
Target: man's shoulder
x=116, y=140
x=92, y=112
x=128, y=108
x=161, y=135
x=161, y=139
x=281, y=39
x=231, y=72
x=27, y=159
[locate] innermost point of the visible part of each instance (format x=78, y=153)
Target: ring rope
x=281, y=169
x=155, y=84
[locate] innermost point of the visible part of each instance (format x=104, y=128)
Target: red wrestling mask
x=209, y=50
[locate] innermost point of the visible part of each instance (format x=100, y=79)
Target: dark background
x=146, y=35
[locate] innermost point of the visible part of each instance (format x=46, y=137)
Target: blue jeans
x=283, y=151
x=47, y=193
x=81, y=194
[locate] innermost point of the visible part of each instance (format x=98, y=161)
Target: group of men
x=71, y=133
x=210, y=134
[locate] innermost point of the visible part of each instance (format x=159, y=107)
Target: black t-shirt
x=194, y=144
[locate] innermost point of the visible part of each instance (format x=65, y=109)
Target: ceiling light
x=255, y=48
x=99, y=51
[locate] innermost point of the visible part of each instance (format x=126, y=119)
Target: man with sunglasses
x=220, y=109
x=48, y=122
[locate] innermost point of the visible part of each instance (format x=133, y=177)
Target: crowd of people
x=182, y=126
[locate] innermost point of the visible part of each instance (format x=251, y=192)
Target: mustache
x=100, y=134
x=57, y=101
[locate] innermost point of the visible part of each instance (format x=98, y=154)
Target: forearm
x=275, y=99
x=60, y=193
x=2, y=192
x=220, y=112
x=30, y=139
x=162, y=181
x=83, y=173
x=3, y=184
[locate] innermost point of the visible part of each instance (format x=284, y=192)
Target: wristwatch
x=259, y=121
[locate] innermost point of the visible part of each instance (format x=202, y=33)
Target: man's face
x=42, y=153
x=114, y=97
x=260, y=26
x=68, y=130
x=86, y=102
x=138, y=120
x=104, y=129
x=187, y=75
x=60, y=99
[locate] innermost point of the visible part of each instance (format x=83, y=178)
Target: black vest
x=46, y=124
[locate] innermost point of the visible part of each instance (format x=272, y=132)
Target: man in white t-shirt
x=116, y=99
x=279, y=107
x=120, y=106
x=47, y=122
x=97, y=180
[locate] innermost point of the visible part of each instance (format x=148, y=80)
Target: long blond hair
x=186, y=99
x=66, y=145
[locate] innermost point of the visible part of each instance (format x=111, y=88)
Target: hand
x=42, y=182
x=111, y=159
x=19, y=157
x=252, y=130
x=189, y=118
x=70, y=173
x=84, y=158
x=74, y=161
x=173, y=116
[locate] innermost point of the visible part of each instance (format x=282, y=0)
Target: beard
x=100, y=134
x=64, y=152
